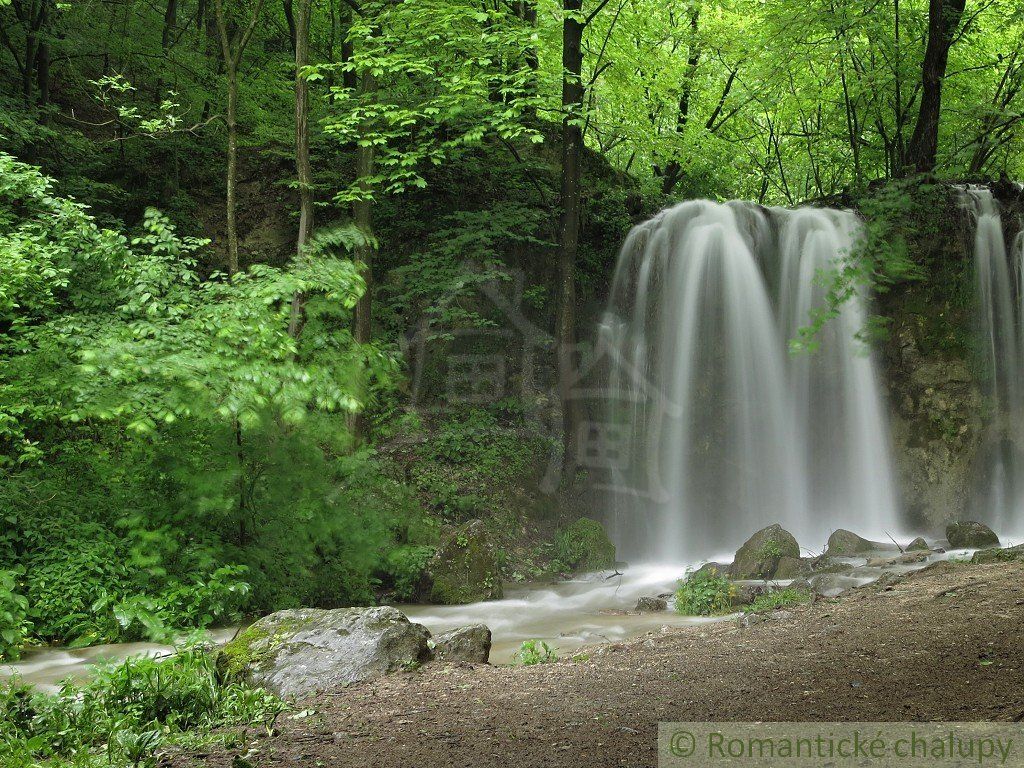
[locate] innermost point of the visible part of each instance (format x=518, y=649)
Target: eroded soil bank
x=945, y=643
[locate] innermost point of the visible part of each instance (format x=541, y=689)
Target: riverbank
x=944, y=643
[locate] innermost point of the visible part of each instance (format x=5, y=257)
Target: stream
x=588, y=610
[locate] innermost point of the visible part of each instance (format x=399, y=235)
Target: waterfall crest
x=726, y=430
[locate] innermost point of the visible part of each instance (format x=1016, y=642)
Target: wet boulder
x=712, y=570
x=651, y=605
x=302, y=651
x=470, y=644
x=918, y=544
x=791, y=568
x=832, y=584
x=745, y=594
x=845, y=543
x=968, y=534
x=584, y=546
x=464, y=569
x=801, y=585
x=760, y=556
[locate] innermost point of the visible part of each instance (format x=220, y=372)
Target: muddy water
x=566, y=615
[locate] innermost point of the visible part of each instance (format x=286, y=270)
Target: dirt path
x=946, y=643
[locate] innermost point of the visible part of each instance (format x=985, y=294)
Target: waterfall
x=725, y=430
x=999, y=493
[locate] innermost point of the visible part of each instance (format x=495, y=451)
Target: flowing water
x=589, y=610
x=999, y=282
x=727, y=430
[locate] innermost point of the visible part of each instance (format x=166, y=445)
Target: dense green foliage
x=705, y=593
x=126, y=713
x=183, y=442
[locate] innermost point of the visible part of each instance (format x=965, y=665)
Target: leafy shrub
x=126, y=713
x=13, y=615
x=405, y=565
x=705, y=594
x=69, y=587
x=534, y=652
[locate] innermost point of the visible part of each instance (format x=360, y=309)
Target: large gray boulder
x=302, y=651
x=845, y=543
x=759, y=557
x=918, y=544
x=968, y=534
x=464, y=569
x=465, y=644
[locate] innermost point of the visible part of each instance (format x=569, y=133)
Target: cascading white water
x=999, y=496
x=728, y=432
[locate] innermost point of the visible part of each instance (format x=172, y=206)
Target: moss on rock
x=465, y=569
x=584, y=546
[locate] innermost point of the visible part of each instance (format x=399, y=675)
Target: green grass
x=782, y=598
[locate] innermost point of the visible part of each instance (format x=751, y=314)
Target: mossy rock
x=845, y=543
x=301, y=651
x=760, y=556
x=996, y=555
x=918, y=544
x=584, y=546
x=968, y=534
x=791, y=568
x=465, y=569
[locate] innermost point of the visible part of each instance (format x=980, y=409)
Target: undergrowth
x=127, y=714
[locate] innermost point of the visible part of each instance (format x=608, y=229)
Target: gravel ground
x=945, y=643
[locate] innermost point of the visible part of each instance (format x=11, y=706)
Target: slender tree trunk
x=303, y=167
x=170, y=23
x=673, y=169
x=293, y=24
x=232, y=175
x=573, y=93
x=362, y=217
x=943, y=19
x=233, y=46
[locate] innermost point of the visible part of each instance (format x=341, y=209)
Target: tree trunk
x=232, y=175
x=362, y=217
x=293, y=24
x=943, y=19
x=674, y=169
x=303, y=167
x=573, y=93
x=170, y=23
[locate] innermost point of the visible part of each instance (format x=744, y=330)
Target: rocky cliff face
x=939, y=407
